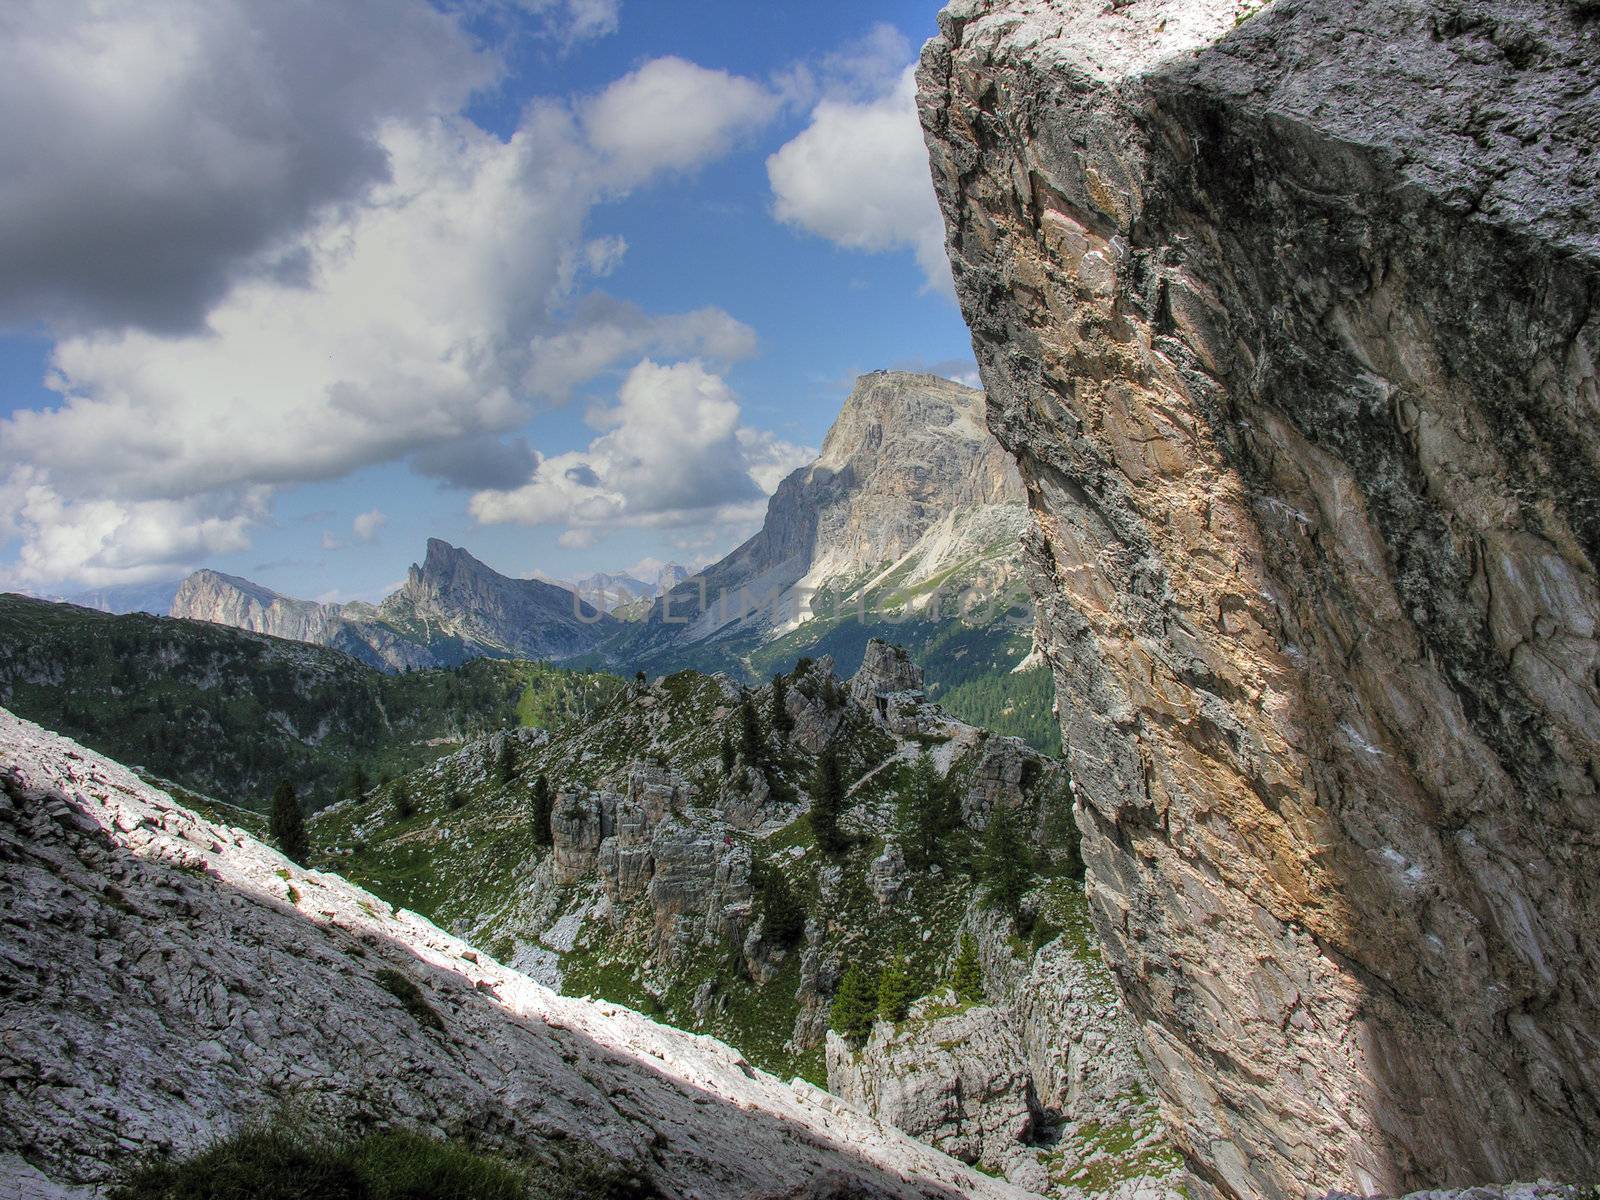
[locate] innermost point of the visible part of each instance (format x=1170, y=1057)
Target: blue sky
x=571, y=283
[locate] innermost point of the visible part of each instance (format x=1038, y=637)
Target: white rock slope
x=165, y=979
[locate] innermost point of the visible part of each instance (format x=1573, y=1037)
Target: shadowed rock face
x=1292, y=325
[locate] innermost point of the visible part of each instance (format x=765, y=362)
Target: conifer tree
x=783, y=917
x=919, y=815
x=287, y=824
x=966, y=978
x=1005, y=865
x=779, y=717
x=404, y=807
x=505, y=766
x=543, y=806
x=727, y=756
x=855, y=1005
x=827, y=802
x=750, y=743
x=895, y=989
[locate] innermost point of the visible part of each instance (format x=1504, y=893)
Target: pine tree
x=966, y=978
x=543, y=806
x=404, y=807
x=895, y=990
x=1005, y=865
x=780, y=720
x=827, y=802
x=750, y=742
x=727, y=756
x=455, y=800
x=855, y=1005
x=919, y=815
x=287, y=824
x=783, y=918
x=359, y=784
x=505, y=767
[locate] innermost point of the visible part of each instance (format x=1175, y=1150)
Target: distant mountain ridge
x=452, y=608
x=906, y=526
x=153, y=598
x=610, y=592
x=911, y=511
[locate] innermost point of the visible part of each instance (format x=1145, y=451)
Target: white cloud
x=576, y=539
x=420, y=322
x=671, y=115
x=674, y=451
x=858, y=176
x=102, y=542
x=603, y=332
x=604, y=255
x=366, y=525
x=330, y=542
x=160, y=150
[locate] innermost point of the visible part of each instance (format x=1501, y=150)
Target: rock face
x=909, y=484
x=238, y=980
x=1290, y=319
x=1048, y=1061
x=451, y=609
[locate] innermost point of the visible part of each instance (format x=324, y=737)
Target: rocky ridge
x=240, y=980
x=452, y=608
x=1288, y=315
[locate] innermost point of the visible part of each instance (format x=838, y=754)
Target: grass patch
x=284, y=1161
x=410, y=997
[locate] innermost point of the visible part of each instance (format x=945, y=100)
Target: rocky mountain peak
x=908, y=474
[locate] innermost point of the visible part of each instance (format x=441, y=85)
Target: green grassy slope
x=461, y=849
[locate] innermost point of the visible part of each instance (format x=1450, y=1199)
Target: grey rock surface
x=1289, y=316
x=167, y=978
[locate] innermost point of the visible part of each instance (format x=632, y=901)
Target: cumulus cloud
x=602, y=332
x=422, y=314
x=366, y=525
x=576, y=539
x=671, y=114
x=858, y=176
x=673, y=451
x=103, y=542
x=160, y=150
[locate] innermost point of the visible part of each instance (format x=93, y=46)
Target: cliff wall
x=1290, y=317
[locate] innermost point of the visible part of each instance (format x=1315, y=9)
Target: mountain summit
x=452, y=608
x=910, y=499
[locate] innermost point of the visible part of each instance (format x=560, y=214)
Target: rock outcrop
x=452, y=608
x=235, y=980
x=1290, y=318
x=1041, y=1082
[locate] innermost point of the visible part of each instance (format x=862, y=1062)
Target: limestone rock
x=234, y=979
x=888, y=684
x=1288, y=314
x=957, y=1082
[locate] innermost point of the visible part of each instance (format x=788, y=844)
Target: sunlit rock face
x=1290, y=318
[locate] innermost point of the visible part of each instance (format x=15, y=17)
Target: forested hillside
x=229, y=713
